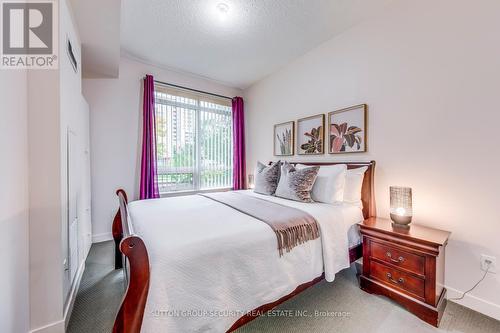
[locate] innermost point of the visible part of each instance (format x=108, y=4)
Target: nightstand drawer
x=397, y=279
x=409, y=261
x=406, y=265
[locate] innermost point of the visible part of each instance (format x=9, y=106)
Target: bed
x=196, y=265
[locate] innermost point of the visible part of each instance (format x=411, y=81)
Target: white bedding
x=210, y=263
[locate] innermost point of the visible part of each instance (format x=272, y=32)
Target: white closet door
x=84, y=219
x=74, y=185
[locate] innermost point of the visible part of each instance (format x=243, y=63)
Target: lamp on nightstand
x=401, y=205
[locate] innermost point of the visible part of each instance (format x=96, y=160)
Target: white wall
x=115, y=125
x=46, y=270
x=55, y=103
x=430, y=74
x=14, y=293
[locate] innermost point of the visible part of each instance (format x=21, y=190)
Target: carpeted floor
x=101, y=290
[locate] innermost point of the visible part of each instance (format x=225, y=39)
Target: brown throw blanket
x=292, y=226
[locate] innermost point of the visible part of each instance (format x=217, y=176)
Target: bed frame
x=132, y=255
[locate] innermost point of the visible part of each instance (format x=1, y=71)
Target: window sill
x=184, y=193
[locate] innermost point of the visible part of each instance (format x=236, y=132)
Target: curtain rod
x=190, y=89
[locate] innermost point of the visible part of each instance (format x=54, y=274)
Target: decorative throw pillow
x=329, y=185
x=266, y=178
x=353, y=184
x=296, y=184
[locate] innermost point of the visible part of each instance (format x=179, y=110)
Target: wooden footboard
x=117, y=236
x=135, y=254
x=130, y=315
x=117, y=230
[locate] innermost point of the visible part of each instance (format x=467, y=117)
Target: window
x=193, y=140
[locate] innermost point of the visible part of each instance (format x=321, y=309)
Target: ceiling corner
x=99, y=29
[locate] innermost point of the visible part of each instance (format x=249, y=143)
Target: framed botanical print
x=311, y=135
x=284, y=135
x=347, y=130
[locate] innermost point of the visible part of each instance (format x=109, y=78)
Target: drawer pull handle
x=398, y=281
x=399, y=260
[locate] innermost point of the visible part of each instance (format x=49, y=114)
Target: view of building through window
x=194, y=140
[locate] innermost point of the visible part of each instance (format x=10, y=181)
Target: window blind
x=193, y=139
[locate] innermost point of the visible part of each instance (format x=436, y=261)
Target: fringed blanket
x=292, y=226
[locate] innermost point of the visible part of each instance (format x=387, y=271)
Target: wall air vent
x=71, y=55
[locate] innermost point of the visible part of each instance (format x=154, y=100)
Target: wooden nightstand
x=406, y=265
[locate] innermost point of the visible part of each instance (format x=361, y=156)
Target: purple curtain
x=239, y=172
x=149, y=182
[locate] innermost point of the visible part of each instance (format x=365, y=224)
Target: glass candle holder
x=401, y=205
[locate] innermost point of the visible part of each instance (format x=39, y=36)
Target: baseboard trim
x=60, y=326
x=55, y=327
x=72, y=295
x=475, y=303
x=97, y=238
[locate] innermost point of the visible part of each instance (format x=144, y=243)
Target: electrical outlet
x=492, y=261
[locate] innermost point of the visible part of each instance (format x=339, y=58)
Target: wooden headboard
x=367, y=190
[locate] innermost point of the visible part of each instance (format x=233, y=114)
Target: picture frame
x=284, y=139
x=311, y=135
x=347, y=130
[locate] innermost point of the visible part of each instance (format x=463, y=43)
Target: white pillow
x=329, y=185
x=353, y=185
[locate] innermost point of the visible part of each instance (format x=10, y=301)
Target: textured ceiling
x=256, y=38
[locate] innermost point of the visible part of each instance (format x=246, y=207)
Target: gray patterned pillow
x=296, y=184
x=266, y=178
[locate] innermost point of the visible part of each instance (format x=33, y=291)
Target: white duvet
x=210, y=264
